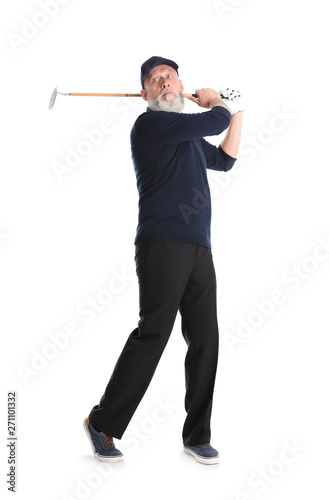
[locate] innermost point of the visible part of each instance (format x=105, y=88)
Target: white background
x=62, y=239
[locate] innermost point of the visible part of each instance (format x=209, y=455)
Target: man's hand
x=208, y=98
x=232, y=99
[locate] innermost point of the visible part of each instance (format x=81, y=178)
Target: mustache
x=164, y=91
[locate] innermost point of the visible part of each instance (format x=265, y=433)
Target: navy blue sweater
x=170, y=157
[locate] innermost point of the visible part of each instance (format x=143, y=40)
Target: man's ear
x=181, y=85
x=144, y=94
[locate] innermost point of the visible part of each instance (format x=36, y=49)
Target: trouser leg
x=163, y=269
x=200, y=330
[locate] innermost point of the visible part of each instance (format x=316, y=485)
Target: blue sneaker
x=102, y=444
x=203, y=453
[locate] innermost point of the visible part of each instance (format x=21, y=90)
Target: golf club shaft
x=55, y=92
x=117, y=95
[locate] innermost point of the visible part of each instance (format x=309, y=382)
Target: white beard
x=176, y=105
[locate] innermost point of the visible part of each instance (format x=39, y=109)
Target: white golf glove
x=232, y=99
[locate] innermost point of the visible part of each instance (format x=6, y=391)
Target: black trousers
x=172, y=276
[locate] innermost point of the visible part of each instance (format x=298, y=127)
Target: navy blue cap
x=152, y=62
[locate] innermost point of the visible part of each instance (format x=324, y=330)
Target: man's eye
x=169, y=76
x=155, y=79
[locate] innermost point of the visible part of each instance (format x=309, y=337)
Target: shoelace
x=108, y=441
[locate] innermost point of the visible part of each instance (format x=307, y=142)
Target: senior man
x=173, y=256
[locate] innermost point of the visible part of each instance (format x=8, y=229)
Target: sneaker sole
x=202, y=460
x=100, y=457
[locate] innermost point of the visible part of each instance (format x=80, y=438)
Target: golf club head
x=53, y=98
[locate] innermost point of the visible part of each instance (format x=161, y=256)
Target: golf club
x=55, y=92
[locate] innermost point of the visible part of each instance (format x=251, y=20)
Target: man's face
x=163, y=90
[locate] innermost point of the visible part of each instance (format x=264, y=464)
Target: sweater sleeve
x=216, y=158
x=159, y=128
